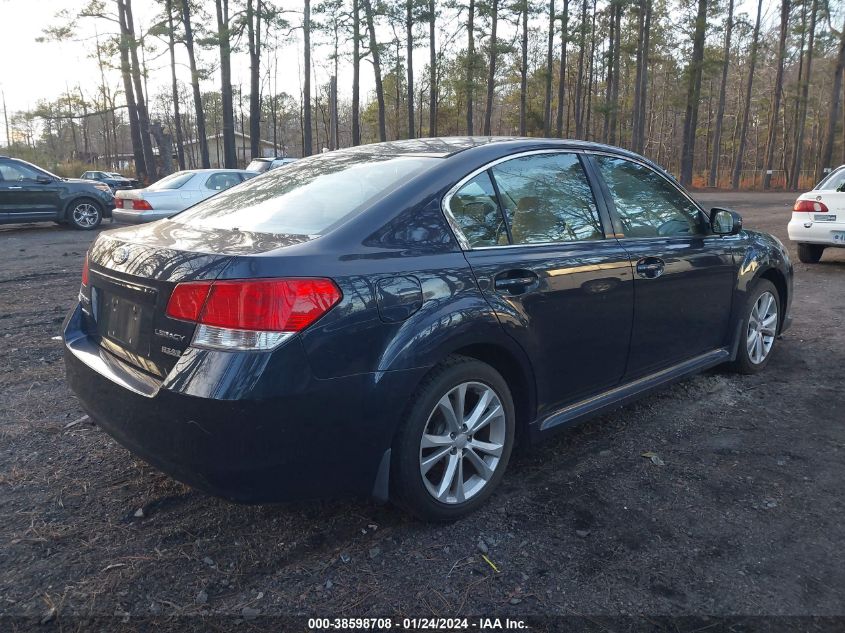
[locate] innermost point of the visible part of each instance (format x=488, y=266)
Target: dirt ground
x=745, y=517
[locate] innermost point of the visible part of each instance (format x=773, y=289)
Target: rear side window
x=307, y=197
x=476, y=211
x=834, y=181
x=547, y=198
x=647, y=204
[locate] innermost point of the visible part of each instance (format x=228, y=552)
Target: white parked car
x=818, y=217
x=175, y=193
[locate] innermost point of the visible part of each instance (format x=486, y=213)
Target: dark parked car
x=390, y=319
x=115, y=181
x=31, y=194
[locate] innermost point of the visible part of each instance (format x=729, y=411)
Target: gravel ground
x=744, y=518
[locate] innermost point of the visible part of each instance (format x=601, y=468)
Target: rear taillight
x=251, y=313
x=810, y=206
x=135, y=205
x=85, y=271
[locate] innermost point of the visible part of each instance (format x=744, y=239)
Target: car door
x=534, y=237
x=683, y=274
x=26, y=193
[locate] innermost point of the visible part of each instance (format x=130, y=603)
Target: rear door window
x=221, y=181
x=547, y=198
x=476, y=210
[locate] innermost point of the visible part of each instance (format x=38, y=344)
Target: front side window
x=547, y=198
x=17, y=172
x=647, y=204
x=476, y=211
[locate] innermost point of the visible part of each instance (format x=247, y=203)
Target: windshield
x=258, y=165
x=307, y=197
x=835, y=181
x=173, y=181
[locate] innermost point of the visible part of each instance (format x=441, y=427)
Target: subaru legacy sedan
x=389, y=320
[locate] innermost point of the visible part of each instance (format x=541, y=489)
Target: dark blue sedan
x=389, y=320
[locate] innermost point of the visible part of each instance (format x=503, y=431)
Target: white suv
x=818, y=217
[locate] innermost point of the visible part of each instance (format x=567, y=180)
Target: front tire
x=810, y=253
x=760, y=327
x=85, y=214
x=452, y=450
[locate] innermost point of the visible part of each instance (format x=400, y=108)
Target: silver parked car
x=175, y=193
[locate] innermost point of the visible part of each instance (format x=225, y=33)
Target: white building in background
x=215, y=150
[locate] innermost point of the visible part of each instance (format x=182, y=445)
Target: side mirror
x=725, y=221
x=43, y=180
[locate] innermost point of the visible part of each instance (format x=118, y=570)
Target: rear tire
x=810, y=253
x=445, y=467
x=760, y=327
x=85, y=214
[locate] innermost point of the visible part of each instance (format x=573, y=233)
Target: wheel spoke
x=759, y=348
x=486, y=447
x=474, y=420
x=460, y=402
x=435, y=441
x=448, y=477
x=481, y=467
x=427, y=463
x=448, y=411
x=460, y=493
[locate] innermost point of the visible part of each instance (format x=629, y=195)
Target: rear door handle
x=650, y=267
x=515, y=281
x=15, y=187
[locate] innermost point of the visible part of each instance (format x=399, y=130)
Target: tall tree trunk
x=202, y=138
x=368, y=10
x=579, y=83
x=713, y=176
x=523, y=84
x=693, y=94
x=590, y=76
x=177, y=117
x=253, y=25
x=608, y=84
x=635, y=112
x=776, y=97
x=131, y=106
x=409, y=34
x=432, y=71
x=307, y=145
x=230, y=155
x=827, y=152
x=491, y=66
x=547, y=102
x=561, y=95
x=470, y=87
x=639, y=140
x=805, y=88
x=614, y=95
x=140, y=102
x=746, y=111
x=356, y=72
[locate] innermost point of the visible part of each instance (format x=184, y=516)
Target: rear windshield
x=258, y=165
x=834, y=181
x=308, y=197
x=173, y=181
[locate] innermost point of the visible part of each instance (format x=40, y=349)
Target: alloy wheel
x=462, y=442
x=762, y=327
x=86, y=215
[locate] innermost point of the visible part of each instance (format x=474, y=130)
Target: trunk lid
x=132, y=275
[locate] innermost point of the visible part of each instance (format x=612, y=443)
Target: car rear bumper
x=825, y=233
x=250, y=427
x=139, y=217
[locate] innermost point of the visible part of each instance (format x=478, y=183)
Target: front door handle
x=15, y=187
x=515, y=281
x=650, y=267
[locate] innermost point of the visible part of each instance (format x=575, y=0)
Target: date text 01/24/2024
x=417, y=624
